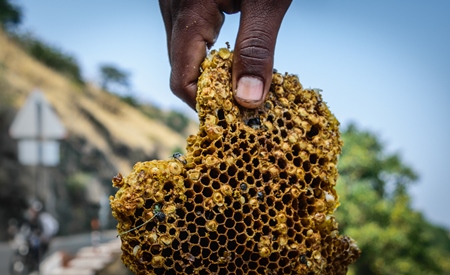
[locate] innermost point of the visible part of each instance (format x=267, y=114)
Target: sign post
x=38, y=129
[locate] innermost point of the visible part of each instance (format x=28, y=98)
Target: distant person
x=42, y=228
x=193, y=26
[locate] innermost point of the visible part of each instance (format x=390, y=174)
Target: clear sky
x=383, y=64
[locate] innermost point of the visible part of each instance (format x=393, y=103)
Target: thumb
x=254, y=49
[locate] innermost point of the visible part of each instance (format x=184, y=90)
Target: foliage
x=112, y=77
x=10, y=15
x=78, y=209
x=177, y=121
x=130, y=100
x=376, y=211
x=76, y=187
x=50, y=56
x=116, y=80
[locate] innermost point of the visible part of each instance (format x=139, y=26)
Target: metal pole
x=40, y=150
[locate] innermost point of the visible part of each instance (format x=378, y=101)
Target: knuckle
x=181, y=86
x=255, y=49
x=176, y=85
x=200, y=22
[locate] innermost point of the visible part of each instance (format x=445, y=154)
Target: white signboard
x=36, y=120
x=37, y=127
x=29, y=152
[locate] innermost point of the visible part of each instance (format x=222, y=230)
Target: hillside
x=106, y=135
x=87, y=112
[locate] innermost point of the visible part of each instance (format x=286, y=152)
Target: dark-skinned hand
x=193, y=26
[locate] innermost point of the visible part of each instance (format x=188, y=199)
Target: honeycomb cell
x=254, y=193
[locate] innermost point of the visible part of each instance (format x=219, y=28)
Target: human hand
x=193, y=26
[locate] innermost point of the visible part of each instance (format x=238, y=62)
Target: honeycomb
x=254, y=193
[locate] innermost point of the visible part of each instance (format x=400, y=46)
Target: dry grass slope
x=79, y=106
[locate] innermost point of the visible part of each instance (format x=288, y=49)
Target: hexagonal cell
x=214, y=173
x=240, y=176
x=253, y=265
x=221, y=229
x=198, y=199
x=231, y=233
x=198, y=187
x=264, y=218
x=223, y=178
x=241, y=238
x=250, y=245
x=207, y=192
x=297, y=161
x=255, y=214
x=279, y=205
x=230, y=223
x=248, y=220
x=239, y=162
x=274, y=257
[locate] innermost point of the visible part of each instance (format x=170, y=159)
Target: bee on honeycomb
x=254, y=193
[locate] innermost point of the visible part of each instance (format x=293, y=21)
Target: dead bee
x=160, y=216
x=255, y=123
x=303, y=259
x=243, y=187
x=260, y=195
x=156, y=213
x=180, y=157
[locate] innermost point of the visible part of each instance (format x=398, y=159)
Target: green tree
x=50, y=55
x=376, y=211
x=10, y=15
x=113, y=76
x=116, y=80
x=177, y=121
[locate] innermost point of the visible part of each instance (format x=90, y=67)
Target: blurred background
x=103, y=70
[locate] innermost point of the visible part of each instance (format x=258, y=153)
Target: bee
x=156, y=213
x=160, y=216
x=260, y=195
x=243, y=187
x=255, y=123
x=303, y=259
x=180, y=157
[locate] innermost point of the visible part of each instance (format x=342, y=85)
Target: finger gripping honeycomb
x=254, y=193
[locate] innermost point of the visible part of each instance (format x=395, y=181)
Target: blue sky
x=382, y=64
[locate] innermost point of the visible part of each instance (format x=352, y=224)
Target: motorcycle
x=26, y=256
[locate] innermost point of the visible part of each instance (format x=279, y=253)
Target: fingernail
x=249, y=89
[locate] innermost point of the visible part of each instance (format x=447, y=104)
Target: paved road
x=69, y=244
x=5, y=253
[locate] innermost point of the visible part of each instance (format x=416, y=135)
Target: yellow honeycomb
x=254, y=193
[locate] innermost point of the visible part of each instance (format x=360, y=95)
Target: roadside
x=67, y=245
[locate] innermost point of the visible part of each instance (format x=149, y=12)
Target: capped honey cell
x=254, y=193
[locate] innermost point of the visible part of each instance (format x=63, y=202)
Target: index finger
x=194, y=29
